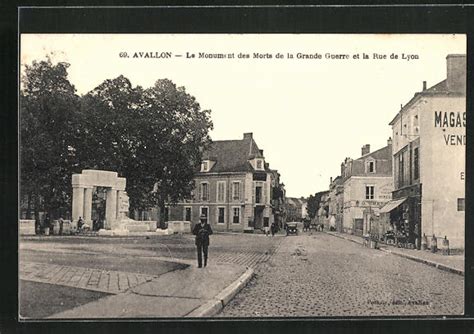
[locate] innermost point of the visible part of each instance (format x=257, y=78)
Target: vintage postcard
x=241, y=175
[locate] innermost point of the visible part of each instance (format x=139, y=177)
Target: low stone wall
x=27, y=227
x=179, y=226
x=139, y=225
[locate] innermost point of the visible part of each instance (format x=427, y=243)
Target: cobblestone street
x=65, y=272
x=321, y=275
x=243, y=249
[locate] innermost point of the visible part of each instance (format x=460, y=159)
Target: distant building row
x=235, y=189
x=415, y=184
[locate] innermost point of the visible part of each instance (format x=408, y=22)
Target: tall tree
x=314, y=204
x=48, y=109
x=182, y=137
x=153, y=137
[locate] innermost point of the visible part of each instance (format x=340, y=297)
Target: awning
x=392, y=205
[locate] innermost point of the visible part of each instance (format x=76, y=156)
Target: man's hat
x=202, y=216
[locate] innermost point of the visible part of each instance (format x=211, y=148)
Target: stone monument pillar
x=82, y=185
x=111, y=208
x=88, y=205
x=122, y=204
x=77, y=203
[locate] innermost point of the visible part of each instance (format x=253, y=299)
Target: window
x=204, y=211
x=187, y=214
x=220, y=215
x=258, y=194
x=205, y=166
x=371, y=167
x=402, y=168
x=461, y=204
x=204, y=191
x=221, y=191
x=236, y=190
x=236, y=216
x=369, y=192
x=416, y=164
x=259, y=164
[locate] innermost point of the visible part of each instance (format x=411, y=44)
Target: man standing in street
x=202, y=231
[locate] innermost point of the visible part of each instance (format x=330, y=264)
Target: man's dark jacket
x=202, y=234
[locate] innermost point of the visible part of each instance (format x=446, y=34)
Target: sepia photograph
x=241, y=176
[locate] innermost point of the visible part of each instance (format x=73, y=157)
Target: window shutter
x=264, y=193
x=200, y=192
x=253, y=191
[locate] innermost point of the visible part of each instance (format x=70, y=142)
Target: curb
x=249, y=234
x=216, y=304
x=409, y=257
x=427, y=262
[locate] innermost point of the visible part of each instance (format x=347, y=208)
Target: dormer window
x=259, y=164
x=205, y=166
x=370, y=166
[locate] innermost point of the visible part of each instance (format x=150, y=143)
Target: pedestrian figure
x=80, y=223
x=306, y=225
x=202, y=231
x=61, y=223
x=273, y=228
x=322, y=227
x=46, y=223
x=266, y=228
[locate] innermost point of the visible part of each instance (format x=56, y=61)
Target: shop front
x=401, y=219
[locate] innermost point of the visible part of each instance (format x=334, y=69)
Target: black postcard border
x=28, y=18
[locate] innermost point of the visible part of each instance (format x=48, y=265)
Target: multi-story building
x=336, y=202
x=233, y=188
x=322, y=212
x=277, y=198
x=429, y=138
x=296, y=209
x=368, y=185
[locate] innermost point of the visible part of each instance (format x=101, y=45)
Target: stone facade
x=336, y=203
x=429, y=137
x=116, y=202
x=296, y=209
x=233, y=188
x=368, y=185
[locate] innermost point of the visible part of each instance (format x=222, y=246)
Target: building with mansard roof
x=368, y=185
x=233, y=188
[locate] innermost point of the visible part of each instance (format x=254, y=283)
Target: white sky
x=307, y=115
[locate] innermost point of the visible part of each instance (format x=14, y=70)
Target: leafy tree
x=153, y=137
x=314, y=204
x=48, y=109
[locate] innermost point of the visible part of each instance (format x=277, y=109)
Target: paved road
x=114, y=265
x=321, y=275
x=243, y=249
x=60, y=273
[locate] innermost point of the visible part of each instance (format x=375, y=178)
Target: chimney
x=456, y=73
x=366, y=149
x=342, y=168
x=248, y=135
x=424, y=85
x=389, y=141
x=330, y=180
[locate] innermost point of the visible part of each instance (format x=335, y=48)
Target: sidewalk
x=185, y=292
x=451, y=263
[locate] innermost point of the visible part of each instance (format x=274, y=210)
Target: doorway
x=258, y=217
x=99, y=199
